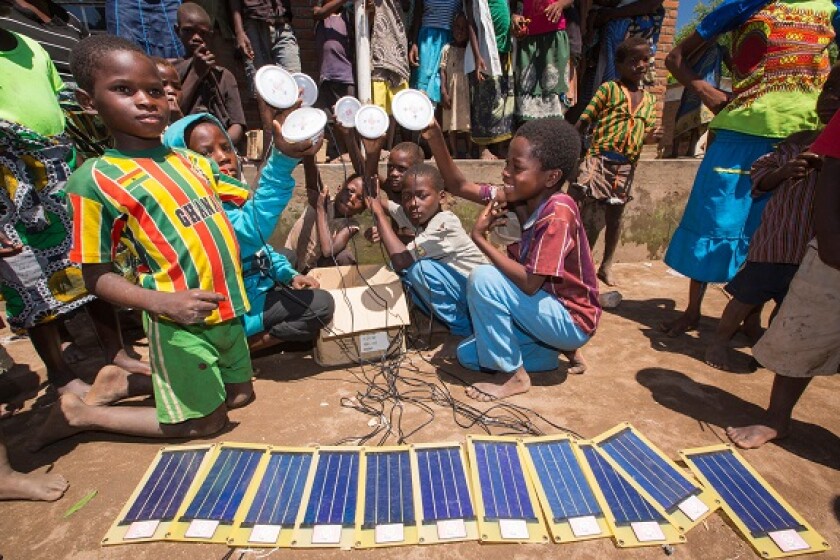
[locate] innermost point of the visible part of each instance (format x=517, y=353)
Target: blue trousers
x=440, y=290
x=513, y=329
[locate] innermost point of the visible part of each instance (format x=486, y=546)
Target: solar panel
x=280, y=492
x=221, y=492
x=506, y=500
x=443, y=485
x=389, y=497
x=683, y=502
x=760, y=514
x=153, y=506
x=635, y=522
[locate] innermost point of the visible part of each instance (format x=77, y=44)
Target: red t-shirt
x=828, y=143
x=554, y=245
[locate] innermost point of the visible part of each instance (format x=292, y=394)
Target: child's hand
x=799, y=166
x=375, y=145
x=324, y=199
x=481, y=69
x=296, y=150
x=446, y=101
x=431, y=131
x=555, y=11
x=493, y=215
x=243, y=43
x=519, y=25
x=8, y=248
x=813, y=159
x=190, y=307
x=414, y=55
x=303, y=282
x=372, y=234
x=204, y=60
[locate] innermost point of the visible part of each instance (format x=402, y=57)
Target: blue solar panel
x=750, y=501
x=165, y=489
x=443, y=485
x=333, y=497
x=567, y=489
x=626, y=504
x=660, y=479
x=221, y=491
x=503, y=484
x=388, y=494
x=280, y=492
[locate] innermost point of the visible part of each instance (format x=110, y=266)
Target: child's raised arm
x=397, y=252
x=453, y=179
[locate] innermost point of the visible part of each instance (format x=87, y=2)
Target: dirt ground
x=659, y=384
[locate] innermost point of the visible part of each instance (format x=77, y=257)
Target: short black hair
x=86, y=57
x=554, y=143
x=629, y=45
x=412, y=149
x=191, y=9
x=425, y=170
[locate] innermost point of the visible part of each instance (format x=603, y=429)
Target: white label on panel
x=266, y=534
x=788, y=540
x=585, y=526
x=201, y=529
x=515, y=529
x=373, y=342
x=326, y=534
x=647, y=531
x=142, y=529
x=389, y=532
x=693, y=507
x=451, y=529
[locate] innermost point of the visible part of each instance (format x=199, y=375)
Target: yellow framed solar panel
x=505, y=502
x=574, y=511
x=273, y=504
x=155, y=501
x=329, y=511
x=683, y=501
x=758, y=512
x=208, y=511
x=444, y=501
x=634, y=520
x=386, y=513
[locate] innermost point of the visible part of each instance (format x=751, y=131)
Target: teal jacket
x=254, y=222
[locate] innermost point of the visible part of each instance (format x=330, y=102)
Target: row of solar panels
x=498, y=489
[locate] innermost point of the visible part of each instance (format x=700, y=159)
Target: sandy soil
x=659, y=384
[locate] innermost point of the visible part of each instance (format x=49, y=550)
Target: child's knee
x=483, y=279
x=323, y=305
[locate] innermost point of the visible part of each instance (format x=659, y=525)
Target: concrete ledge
x=660, y=191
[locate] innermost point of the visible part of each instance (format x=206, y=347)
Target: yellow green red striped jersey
x=166, y=206
x=617, y=128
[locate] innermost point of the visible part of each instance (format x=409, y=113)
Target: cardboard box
x=370, y=313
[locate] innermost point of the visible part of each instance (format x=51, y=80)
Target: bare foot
x=606, y=276
x=61, y=422
x=717, y=356
x=110, y=386
x=487, y=155
x=131, y=364
x=76, y=387
x=42, y=487
x=518, y=383
x=680, y=325
x=577, y=363
x=448, y=350
x=239, y=394
x=753, y=437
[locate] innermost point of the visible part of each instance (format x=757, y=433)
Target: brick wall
x=666, y=43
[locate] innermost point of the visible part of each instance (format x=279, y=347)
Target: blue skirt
x=426, y=77
x=711, y=242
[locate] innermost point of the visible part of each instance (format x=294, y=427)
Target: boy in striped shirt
x=622, y=115
x=166, y=206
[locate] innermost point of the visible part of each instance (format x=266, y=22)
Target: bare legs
x=613, y=214
x=783, y=398
x=106, y=323
x=46, y=340
x=734, y=314
x=691, y=316
x=15, y=485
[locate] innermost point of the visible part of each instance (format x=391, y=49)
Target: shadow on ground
x=710, y=404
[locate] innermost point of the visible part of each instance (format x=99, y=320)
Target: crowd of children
x=168, y=193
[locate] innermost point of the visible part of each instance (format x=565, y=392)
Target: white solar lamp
x=276, y=86
x=346, y=109
x=372, y=121
x=309, y=87
x=412, y=109
x=304, y=124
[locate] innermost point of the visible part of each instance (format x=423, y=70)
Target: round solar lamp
x=276, y=86
x=412, y=109
x=346, y=109
x=372, y=121
x=304, y=124
x=309, y=87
